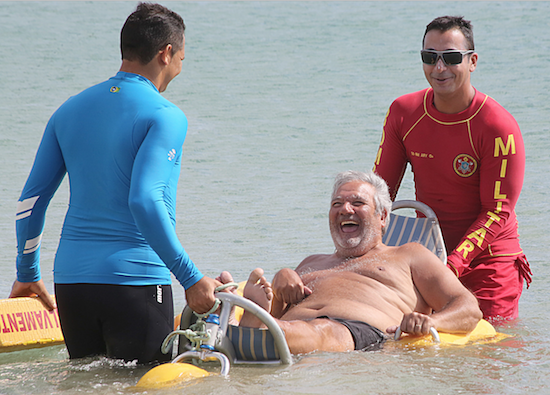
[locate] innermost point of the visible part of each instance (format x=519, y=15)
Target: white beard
x=353, y=246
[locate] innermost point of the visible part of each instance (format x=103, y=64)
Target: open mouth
x=349, y=226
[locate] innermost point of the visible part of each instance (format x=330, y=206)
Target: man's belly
x=350, y=297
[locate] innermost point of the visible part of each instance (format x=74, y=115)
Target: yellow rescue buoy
x=484, y=332
x=170, y=374
x=25, y=323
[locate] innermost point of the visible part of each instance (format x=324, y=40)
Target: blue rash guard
x=120, y=142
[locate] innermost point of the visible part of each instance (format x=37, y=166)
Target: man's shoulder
x=494, y=116
x=89, y=91
x=490, y=104
x=418, y=255
x=140, y=94
x=410, y=247
x=409, y=103
x=166, y=108
x=82, y=101
x=414, y=98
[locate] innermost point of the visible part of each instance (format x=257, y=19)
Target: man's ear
x=165, y=55
x=473, y=62
x=384, y=218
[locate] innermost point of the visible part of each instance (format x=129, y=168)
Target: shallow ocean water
x=280, y=97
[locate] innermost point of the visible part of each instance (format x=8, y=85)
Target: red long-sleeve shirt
x=468, y=167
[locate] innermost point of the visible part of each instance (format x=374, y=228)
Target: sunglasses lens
x=428, y=57
x=452, y=58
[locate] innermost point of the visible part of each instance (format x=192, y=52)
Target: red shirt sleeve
x=502, y=166
x=392, y=150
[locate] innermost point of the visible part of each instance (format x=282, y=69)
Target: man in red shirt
x=468, y=160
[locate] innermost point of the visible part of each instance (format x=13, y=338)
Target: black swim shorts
x=366, y=337
x=119, y=321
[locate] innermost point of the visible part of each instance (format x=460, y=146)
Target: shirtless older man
x=352, y=299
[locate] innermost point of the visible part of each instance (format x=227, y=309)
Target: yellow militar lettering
x=492, y=218
x=467, y=246
x=510, y=144
x=478, y=235
x=503, y=167
x=498, y=195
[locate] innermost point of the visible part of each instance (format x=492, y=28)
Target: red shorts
x=497, y=282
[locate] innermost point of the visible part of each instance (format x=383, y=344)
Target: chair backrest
x=426, y=231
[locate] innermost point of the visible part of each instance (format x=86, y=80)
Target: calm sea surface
x=280, y=97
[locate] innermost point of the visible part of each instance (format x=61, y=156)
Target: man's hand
x=36, y=289
x=414, y=323
x=288, y=287
x=200, y=296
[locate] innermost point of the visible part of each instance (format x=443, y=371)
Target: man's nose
x=440, y=64
x=347, y=207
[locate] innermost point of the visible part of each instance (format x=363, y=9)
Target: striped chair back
x=426, y=231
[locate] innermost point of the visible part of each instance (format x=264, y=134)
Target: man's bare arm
x=456, y=310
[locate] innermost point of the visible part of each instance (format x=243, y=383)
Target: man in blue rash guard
x=120, y=142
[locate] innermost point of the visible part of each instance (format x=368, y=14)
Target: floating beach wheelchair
x=211, y=337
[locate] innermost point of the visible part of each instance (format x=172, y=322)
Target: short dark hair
x=445, y=23
x=149, y=29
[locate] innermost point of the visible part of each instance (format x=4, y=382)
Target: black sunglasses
x=450, y=58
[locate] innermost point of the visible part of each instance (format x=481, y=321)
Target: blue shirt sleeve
x=47, y=173
x=156, y=164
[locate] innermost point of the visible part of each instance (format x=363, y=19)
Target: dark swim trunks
x=366, y=337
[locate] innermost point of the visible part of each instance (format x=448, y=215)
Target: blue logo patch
x=464, y=165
